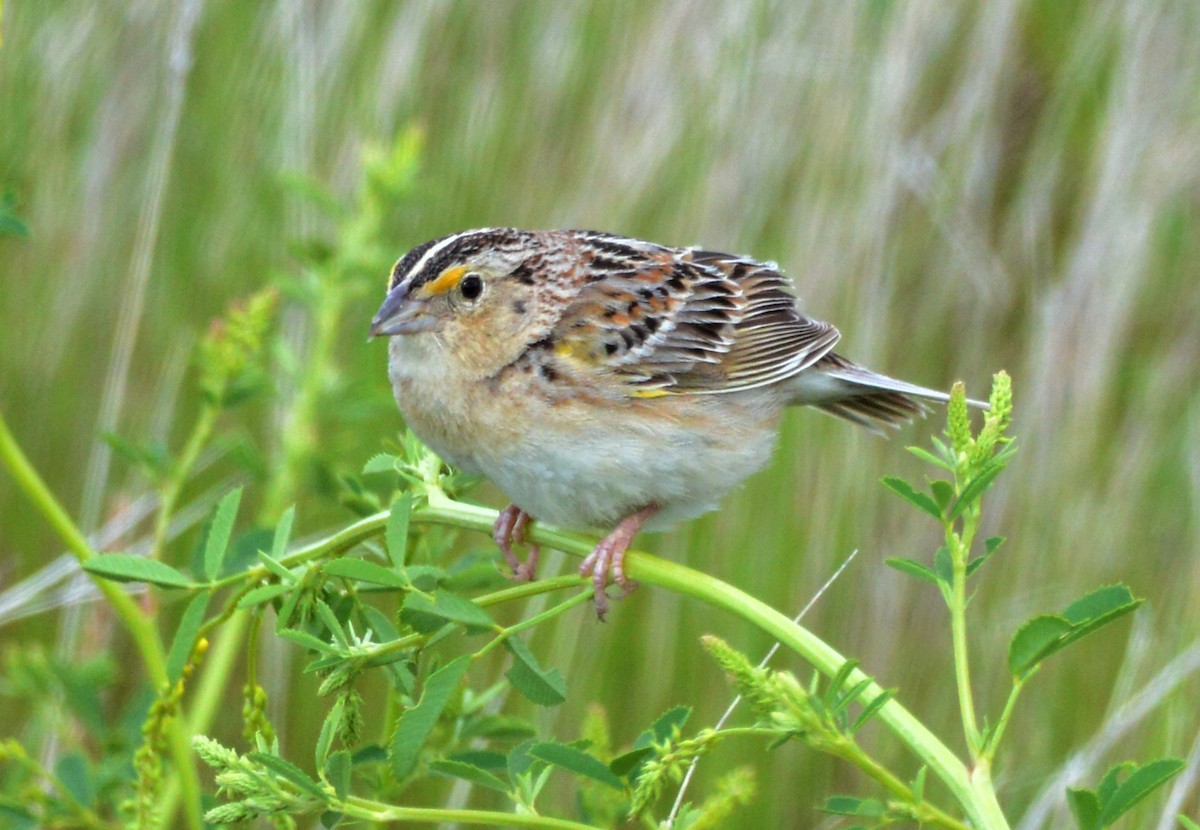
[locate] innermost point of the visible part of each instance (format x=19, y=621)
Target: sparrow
x=609, y=383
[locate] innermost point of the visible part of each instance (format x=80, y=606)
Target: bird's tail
x=840, y=387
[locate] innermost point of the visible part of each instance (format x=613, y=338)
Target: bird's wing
x=689, y=322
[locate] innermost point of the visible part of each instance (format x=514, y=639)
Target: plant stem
x=850, y=751
x=989, y=749
x=173, y=484
x=651, y=570
x=140, y=629
x=980, y=807
x=958, y=633
x=504, y=633
x=368, y=810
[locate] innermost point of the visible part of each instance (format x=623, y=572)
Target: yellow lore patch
x=446, y=281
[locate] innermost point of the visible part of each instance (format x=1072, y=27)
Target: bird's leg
x=508, y=530
x=609, y=556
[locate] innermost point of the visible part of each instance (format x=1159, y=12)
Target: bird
x=609, y=383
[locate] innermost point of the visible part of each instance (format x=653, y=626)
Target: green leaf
x=469, y=772
x=360, y=570
x=1187, y=823
x=926, y=455
x=381, y=624
x=152, y=458
x=289, y=772
x=337, y=771
x=848, y=805
x=184, y=640
x=668, y=724
x=871, y=708
x=1048, y=634
x=1034, y=641
x=912, y=568
x=283, y=532
x=276, y=567
x=499, y=727
x=905, y=491
x=576, y=761
x=261, y=594
x=332, y=624
x=943, y=566
x=329, y=729
x=918, y=785
x=990, y=546
x=1141, y=782
x=483, y=758
x=943, y=492
x=1101, y=606
x=446, y=606
x=975, y=488
x=1085, y=807
x=397, y=529
x=839, y=680
x=628, y=763
x=219, y=532
x=520, y=761
x=303, y=638
x=664, y=728
x=416, y=724
x=545, y=687
x=380, y=463
x=73, y=773
x=128, y=567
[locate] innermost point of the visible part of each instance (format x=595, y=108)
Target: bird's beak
x=401, y=313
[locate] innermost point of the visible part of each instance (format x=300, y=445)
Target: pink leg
x=508, y=530
x=609, y=556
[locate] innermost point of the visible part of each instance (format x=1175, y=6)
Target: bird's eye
x=471, y=286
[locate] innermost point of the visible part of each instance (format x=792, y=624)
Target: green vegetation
x=958, y=188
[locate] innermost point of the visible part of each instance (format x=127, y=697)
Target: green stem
x=172, y=486
x=958, y=633
x=985, y=795
x=849, y=750
x=140, y=629
x=970, y=791
x=368, y=810
x=537, y=619
x=989, y=749
x=979, y=806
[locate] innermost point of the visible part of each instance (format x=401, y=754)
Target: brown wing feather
x=690, y=321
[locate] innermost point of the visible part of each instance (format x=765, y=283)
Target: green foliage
x=1047, y=634
x=1119, y=790
x=129, y=567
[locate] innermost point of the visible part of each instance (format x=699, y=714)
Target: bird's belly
x=594, y=475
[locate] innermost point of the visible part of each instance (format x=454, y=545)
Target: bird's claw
x=509, y=530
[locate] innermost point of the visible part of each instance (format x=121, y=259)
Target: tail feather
x=846, y=390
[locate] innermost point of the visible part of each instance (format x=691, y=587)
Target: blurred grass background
x=960, y=187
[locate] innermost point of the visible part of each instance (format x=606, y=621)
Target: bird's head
x=467, y=302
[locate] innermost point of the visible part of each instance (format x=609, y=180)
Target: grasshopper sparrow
x=606, y=382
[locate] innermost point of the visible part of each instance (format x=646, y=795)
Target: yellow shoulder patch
x=446, y=281
x=650, y=393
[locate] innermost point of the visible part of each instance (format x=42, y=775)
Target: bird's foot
x=509, y=530
x=609, y=557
